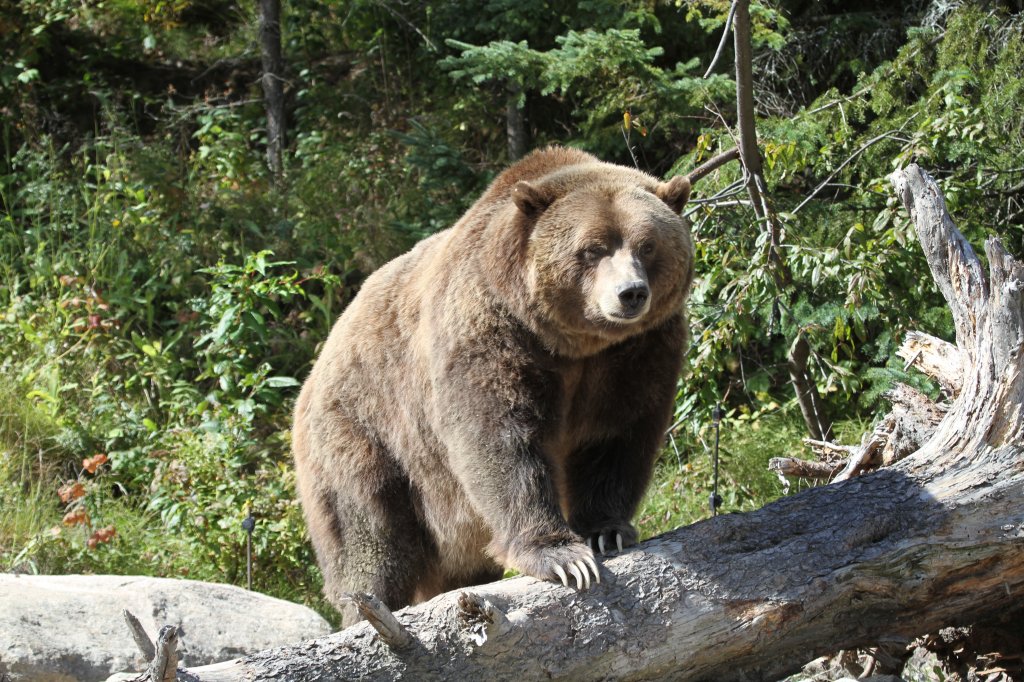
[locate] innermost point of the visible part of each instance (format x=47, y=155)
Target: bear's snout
x=633, y=296
x=624, y=295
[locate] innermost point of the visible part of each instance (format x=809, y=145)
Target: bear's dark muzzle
x=633, y=295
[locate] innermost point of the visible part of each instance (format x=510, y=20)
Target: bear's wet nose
x=633, y=295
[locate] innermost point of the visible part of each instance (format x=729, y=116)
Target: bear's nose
x=633, y=295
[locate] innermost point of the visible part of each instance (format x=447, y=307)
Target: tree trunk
x=812, y=407
x=515, y=124
x=273, y=83
x=750, y=154
x=937, y=539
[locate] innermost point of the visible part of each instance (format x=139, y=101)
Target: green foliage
x=242, y=311
x=769, y=25
x=604, y=74
x=503, y=61
x=121, y=343
x=859, y=281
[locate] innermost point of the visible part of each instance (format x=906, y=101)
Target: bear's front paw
x=612, y=537
x=558, y=562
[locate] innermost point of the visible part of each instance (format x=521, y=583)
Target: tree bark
x=273, y=83
x=935, y=540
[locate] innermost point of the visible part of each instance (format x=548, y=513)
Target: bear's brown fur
x=497, y=396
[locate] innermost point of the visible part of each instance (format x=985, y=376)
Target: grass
x=27, y=478
x=681, y=490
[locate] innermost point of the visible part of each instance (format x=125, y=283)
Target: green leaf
x=281, y=382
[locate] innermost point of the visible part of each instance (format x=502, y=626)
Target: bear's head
x=607, y=254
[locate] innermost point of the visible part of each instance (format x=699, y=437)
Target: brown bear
x=497, y=396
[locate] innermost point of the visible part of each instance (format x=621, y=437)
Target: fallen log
x=934, y=540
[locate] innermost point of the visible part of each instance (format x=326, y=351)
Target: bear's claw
x=575, y=570
x=581, y=570
x=569, y=562
x=560, y=572
x=600, y=541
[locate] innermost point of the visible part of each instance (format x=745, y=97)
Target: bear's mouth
x=627, y=317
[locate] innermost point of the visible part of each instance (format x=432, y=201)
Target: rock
x=70, y=628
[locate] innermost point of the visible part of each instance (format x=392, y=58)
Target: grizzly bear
x=497, y=396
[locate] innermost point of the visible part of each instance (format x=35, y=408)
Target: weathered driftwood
x=162, y=654
x=140, y=636
x=936, y=539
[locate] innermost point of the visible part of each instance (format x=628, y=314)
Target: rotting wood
x=794, y=467
x=910, y=423
x=936, y=539
x=936, y=358
x=482, y=617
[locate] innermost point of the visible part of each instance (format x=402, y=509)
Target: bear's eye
x=593, y=253
x=646, y=249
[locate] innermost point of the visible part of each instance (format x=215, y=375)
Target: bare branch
x=860, y=150
x=393, y=633
x=725, y=37
x=793, y=467
x=829, y=452
x=713, y=164
x=139, y=635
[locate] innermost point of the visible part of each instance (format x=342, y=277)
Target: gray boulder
x=65, y=628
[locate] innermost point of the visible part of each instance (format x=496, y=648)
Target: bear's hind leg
x=379, y=548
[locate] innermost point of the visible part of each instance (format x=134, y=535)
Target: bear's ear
x=675, y=192
x=530, y=199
